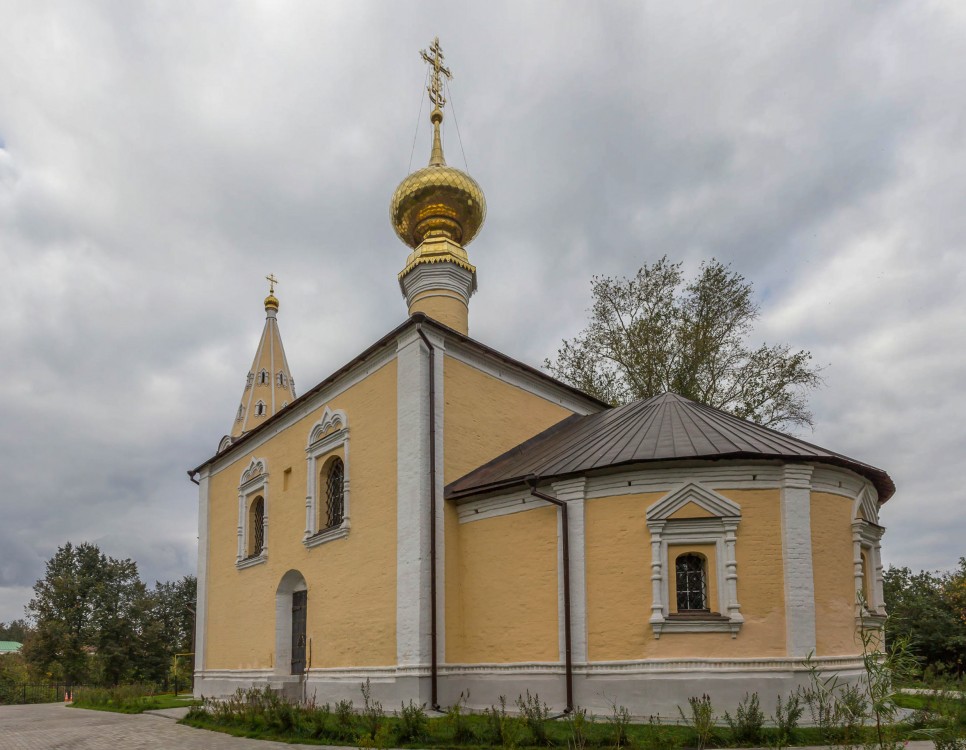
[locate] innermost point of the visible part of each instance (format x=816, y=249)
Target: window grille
x=334, y=507
x=691, y=580
x=257, y=527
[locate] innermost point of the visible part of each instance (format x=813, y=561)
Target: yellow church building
x=442, y=519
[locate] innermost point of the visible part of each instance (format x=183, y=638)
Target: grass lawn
x=141, y=704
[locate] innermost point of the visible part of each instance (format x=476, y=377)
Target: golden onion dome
x=271, y=302
x=437, y=200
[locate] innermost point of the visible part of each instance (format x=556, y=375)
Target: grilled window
x=692, y=583
x=334, y=485
x=256, y=527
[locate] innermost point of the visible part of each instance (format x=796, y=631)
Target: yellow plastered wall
x=508, y=581
x=351, y=619
x=618, y=556
x=833, y=575
x=485, y=417
x=446, y=307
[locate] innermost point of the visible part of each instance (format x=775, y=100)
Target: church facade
x=441, y=519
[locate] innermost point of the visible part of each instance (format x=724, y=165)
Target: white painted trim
x=498, y=505
x=412, y=500
x=799, y=581
x=440, y=412
x=719, y=530
x=253, y=481
x=201, y=604
x=429, y=279
x=573, y=493
x=320, y=444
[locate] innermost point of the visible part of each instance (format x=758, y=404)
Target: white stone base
x=645, y=688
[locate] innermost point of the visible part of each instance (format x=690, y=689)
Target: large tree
x=929, y=609
x=657, y=332
x=89, y=612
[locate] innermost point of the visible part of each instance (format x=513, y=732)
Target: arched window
x=250, y=380
x=241, y=413
x=256, y=527
x=281, y=379
x=333, y=477
x=691, y=583
x=260, y=409
x=263, y=377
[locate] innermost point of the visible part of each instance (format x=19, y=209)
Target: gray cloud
x=157, y=161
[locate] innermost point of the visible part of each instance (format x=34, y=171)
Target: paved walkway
x=52, y=726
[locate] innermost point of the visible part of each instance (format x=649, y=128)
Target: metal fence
x=51, y=692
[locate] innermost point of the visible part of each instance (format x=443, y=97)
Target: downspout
x=192, y=475
x=565, y=543
x=434, y=665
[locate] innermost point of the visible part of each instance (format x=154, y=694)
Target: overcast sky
x=158, y=159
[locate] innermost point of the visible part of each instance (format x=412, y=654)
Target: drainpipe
x=192, y=475
x=434, y=665
x=565, y=542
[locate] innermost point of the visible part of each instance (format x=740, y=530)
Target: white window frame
x=253, y=482
x=330, y=433
x=719, y=530
x=867, y=537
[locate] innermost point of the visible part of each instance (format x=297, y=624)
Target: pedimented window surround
x=330, y=433
x=866, y=546
x=718, y=526
x=253, y=483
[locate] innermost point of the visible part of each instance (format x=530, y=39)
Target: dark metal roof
x=663, y=428
x=414, y=320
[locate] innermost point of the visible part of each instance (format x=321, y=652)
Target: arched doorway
x=291, y=606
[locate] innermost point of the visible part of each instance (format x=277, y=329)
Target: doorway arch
x=291, y=602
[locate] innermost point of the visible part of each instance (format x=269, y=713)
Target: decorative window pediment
x=713, y=504
x=253, y=514
x=327, y=492
x=683, y=522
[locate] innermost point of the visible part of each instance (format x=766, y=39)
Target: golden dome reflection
x=438, y=200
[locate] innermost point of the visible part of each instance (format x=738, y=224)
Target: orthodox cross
x=272, y=281
x=435, y=88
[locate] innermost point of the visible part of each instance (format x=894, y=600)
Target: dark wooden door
x=298, y=632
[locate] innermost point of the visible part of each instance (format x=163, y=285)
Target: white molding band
x=796, y=501
x=438, y=279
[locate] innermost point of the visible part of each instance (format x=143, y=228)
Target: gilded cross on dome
x=272, y=281
x=435, y=58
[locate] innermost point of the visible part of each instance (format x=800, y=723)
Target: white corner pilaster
x=574, y=493
x=657, y=578
x=796, y=500
x=413, y=627
x=201, y=604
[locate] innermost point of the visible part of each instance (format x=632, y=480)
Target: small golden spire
x=271, y=301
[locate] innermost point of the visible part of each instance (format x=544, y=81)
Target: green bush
x=745, y=726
